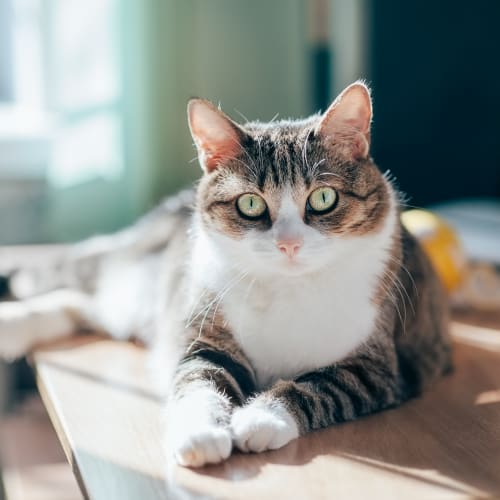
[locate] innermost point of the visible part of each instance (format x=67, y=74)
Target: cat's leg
x=41, y=319
x=362, y=384
x=209, y=383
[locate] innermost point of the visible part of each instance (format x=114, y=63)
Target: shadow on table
x=453, y=430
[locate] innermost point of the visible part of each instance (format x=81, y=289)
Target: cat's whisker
x=249, y=288
x=332, y=174
x=399, y=289
x=415, y=207
x=240, y=148
x=274, y=118
x=241, y=114
x=402, y=287
x=207, y=307
x=193, y=308
x=323, y=183
x=221, y=296
x=316, y=166
x=304, y=149
x=387, y=287
x=238, y=160
x=260, y=153
x=225, y=292
x=195, y=305
x=400, y=264
x=201, y=311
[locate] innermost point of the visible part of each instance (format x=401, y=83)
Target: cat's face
x=289, y=197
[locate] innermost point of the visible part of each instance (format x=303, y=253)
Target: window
x=24, y=124
x=6, y=84
x=60, y=92
x=85, y=91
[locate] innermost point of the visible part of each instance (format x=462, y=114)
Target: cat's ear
x=216, y=136
x=346, y=123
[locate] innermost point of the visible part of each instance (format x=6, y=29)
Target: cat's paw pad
x=206, y=445
x=15, y=335
x=259, y=428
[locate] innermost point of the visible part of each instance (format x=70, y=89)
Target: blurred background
x=93, y=95
x=93, y=128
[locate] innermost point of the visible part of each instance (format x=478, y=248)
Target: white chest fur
x=296, y=325
x=289, y=325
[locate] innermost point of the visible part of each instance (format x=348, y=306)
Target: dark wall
x=435, y=70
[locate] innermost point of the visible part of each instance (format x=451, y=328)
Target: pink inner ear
x=347, y=121
x=214, y=134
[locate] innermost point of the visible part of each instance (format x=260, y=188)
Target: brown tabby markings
x=409, y=347
x=291, y=155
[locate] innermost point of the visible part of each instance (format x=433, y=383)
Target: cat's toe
x=257, y=428
x=198, y=447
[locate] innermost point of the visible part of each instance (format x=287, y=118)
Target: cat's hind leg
x=41, y=319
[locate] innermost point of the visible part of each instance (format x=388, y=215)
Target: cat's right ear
x=346, y=122
x=216, y=136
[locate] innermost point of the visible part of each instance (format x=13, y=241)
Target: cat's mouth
x=293, y=267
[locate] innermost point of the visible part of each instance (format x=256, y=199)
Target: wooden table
x=445, y=444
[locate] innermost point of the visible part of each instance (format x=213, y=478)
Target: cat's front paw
x=205, y=445
x=198, y=430
x=258, y=427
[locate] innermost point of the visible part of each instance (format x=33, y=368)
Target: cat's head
x=287, y=196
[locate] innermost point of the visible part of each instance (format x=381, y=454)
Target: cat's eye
x=251, y=205
x=322, y=199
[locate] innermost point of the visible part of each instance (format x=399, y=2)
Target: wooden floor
x=33, y=465
x=445, y=444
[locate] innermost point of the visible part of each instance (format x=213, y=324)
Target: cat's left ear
x=216, y=136
x=346, y=123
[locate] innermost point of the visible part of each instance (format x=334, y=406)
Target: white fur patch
x=193, y=436
x=291, y=318
x=258, y=427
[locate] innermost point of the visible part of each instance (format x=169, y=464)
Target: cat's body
x=268, y=316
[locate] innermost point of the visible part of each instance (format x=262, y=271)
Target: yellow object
x=441, y=245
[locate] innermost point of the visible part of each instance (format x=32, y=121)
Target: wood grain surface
x=445, y=444
x=33, y=464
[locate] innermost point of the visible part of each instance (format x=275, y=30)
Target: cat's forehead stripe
x=280, y=159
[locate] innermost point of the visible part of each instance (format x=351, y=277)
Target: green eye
x=322, y=199
x=251, y=205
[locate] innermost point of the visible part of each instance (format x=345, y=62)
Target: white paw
x=197, y=447
x=15, y=335
x=198, y=430
x=258, y=427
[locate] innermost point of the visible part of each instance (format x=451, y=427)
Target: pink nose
x=290, y=248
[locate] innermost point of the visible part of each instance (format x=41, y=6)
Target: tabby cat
x=280, y=296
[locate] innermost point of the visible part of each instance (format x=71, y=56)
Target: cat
x=280, y=296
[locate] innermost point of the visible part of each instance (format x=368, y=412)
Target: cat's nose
x=289, y=247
